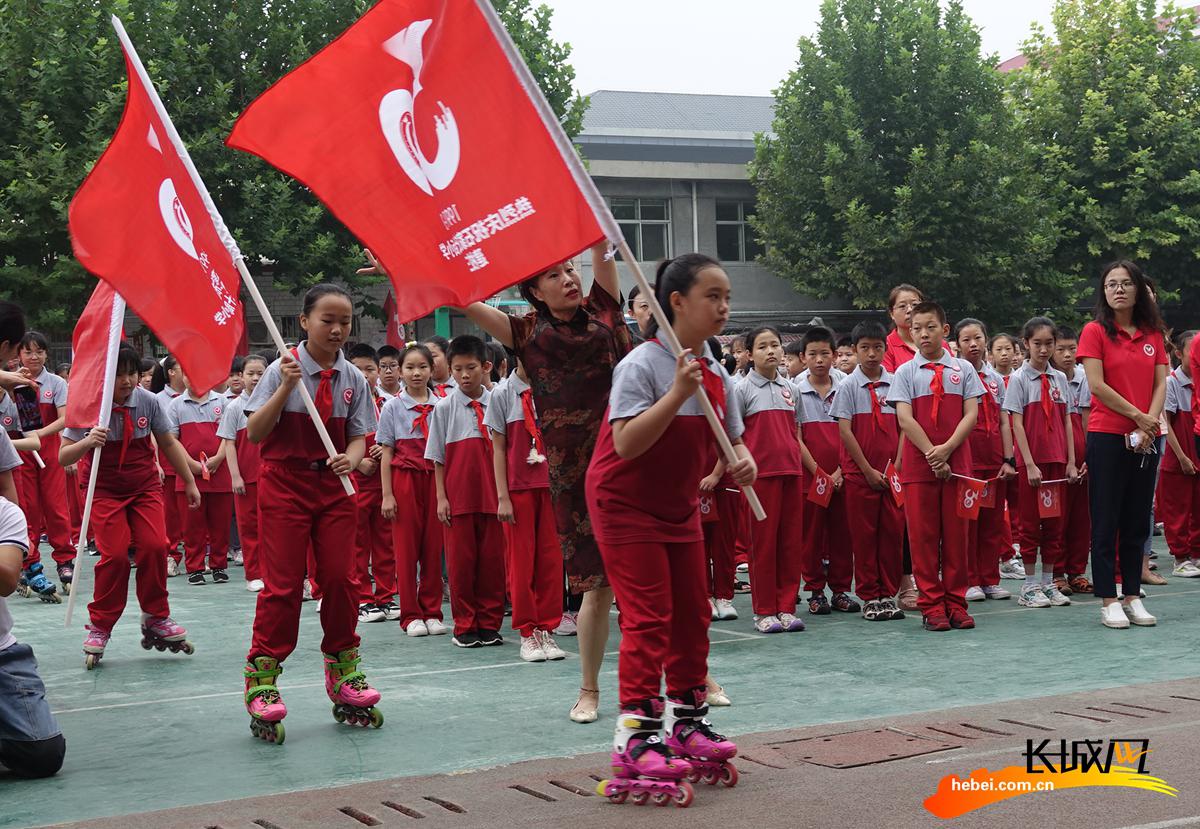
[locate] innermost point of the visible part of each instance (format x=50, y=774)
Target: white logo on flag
x=176, y=218
x=396, y=118
x=1047, y=498
x=970, y=496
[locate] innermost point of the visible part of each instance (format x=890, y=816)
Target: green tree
x=65, y=90
x=1111, y=108
x=894, y=159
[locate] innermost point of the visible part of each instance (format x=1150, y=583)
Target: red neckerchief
x=531, y=426
x=876, y=409
x=937, y=387
x=1047, y=403
x=421, y=422
x=483, y=430
x=126, y=431
x=324, y=396
x=713, y=384
x=990, y=418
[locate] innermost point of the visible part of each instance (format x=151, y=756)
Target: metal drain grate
x=404, y=810
x=855, y=748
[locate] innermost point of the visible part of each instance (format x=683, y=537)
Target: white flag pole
x=116, y=319
x=227, y=238
x=609, y=225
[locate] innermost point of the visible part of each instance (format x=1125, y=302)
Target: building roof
x=677, y=115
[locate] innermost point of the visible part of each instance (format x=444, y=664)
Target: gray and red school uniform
x=1077, y=517
x=826, y=529
x=459, y=441
x=1178, y=504
x=1043, y=399
x=10, y=424
x=174, y=504
x=645, y=513
x=770, y=412
x=989, y=538
x=373, y=544
x=195, y=423
x=533, y=558
x=416, y=532
x=233, y=427
x=44, y=489
x=937, y=535
x=877, y=529
x=303, y=506
x=127, y=510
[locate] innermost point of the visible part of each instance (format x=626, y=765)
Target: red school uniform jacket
x=987, y=447
x=233, y=427
x=512, y=413
x=817, y=425
x=938, y=414
x=864, y=403
x=1042, y=417
x=770, y=411
x=1179, y=414
x=404, y=426
x=458, y=440
x=127, y=459
x=195, y=423
x=655, y=497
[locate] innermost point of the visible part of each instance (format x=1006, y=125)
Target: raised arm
x=492, y=320
x=604, y=270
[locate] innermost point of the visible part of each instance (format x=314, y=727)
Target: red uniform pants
x=1178, y=507
x=44, y=499
x=986, y=545
x=1035, y=533
x=876, y=537
x=720, y=542
x=301, y=508
x=121, y=523
x=208, y=526
x=417, y=542
x=778, y=548
x=175, y=508
x=374, y=550
x=1077, y=535
x=475, y=564
x=534, y=562
x=1011, y=517
x=247, y=521
x=937, y=537
x=743, y=532
x=826, y=538
x=75, y=503
x=664, y=616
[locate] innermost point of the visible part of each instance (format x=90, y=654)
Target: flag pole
x=609, y=225
x=116, y=320
x=227, y=238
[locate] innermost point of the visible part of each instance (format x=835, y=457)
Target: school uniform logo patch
x=8, y=420
x=217, y=411
x=143, y=422
x=955, y=378
x=787, y=395
x=348, y=395
x=1055, y=394
x=993, y=387
x=48, y=394
x=1149, y=349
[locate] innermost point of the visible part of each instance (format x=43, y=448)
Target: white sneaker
x=743, y=567
x=435, y=627
x=531, y=649
x=236, y=559
x=726, y=610
x=1057, y=597
x=549, y=646
x=1032, y=596
x=1114, y=616
x=391, y=611
x=172, y=567
x=995, y=591
x=416, y=628
x=567, y=627
x=1014, y=568
x=369, y=613
x=306, y=595
x=255, y=585
x=712, y=609
x=1186, y=569
x=319, y=601
x=1138, y=614
x=768, y=624
x=791, y=623
x=975, y=594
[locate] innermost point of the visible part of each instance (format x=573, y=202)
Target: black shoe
x=220, y=576
x=490, y=637
x=818, y=605
x=467, y=639
x=843, y=602
x=196, y=578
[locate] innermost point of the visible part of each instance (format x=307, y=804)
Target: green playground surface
x=149, y=730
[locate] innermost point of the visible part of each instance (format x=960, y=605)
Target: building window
x=289, y=329
x=736, y=241
x=646, y=226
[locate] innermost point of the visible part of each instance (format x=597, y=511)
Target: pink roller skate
x=93, y=646
x=263, y=702
x=691, y=736
x=165, y=634
x=353, y=699
x=642, y=765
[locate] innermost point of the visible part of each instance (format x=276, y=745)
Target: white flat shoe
x=581, y=715
x=1138, y=614
x=717, y=696
x=1113, y=616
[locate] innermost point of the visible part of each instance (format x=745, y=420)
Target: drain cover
x=853, y=748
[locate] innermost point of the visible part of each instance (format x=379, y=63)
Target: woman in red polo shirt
x=1125, y=359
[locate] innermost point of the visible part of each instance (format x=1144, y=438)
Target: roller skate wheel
x=160, y=647
x=709, y=778
x=685, y=796
x=661, y=798
x=376, y=718
x=67, y=588
x=146, y=644
x=278, y=734
x=187, y=648
x=338, y=714
x=640, y=797
x=692, y=776
x=729, y=775
x=91, y=660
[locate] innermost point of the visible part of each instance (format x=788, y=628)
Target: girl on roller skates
x=127, y=510
x=643, y=497
x=303, y=504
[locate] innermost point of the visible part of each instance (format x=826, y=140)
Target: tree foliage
x=894, y=158
x=65, y=90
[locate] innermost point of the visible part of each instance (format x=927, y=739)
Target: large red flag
x=139, y=223
x=415, y=130
x=97, y=325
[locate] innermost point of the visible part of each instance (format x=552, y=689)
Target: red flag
x=1049, y=500
x=415, y=130
x=969, y=498
x=820, y=491
x=987, y=498
x=89, y=347
x=139, y=222
x=894, y=485
x=395, y=328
